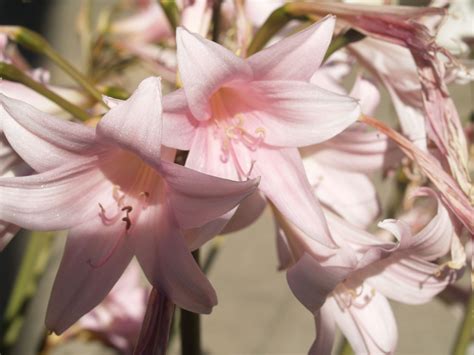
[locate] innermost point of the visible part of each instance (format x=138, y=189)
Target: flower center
x=229, y=123
x=137, y=189
x=347, y=297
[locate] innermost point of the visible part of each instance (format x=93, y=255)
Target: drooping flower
x=120, y=194
x=357, y=304
x=244, y=118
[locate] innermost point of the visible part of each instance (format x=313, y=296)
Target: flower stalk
x=190, y=327
x=10, y=72
x=171, y=11
x=156, y=326
x=465, y=334
x=37, y=43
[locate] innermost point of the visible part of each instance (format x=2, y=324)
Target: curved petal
x=179, y=125
x=325, y=330
x=410, y=280
x=197, y=198
x=204, y=67
x=43, y=141
x=249, y=210
x=296, y=57
x=290, y=191
x=285, y=257
x=357, y=202
x=367, y=323
x=366, y=150
x=94, y=258
x=433, y=241
x=136, y=124
x=54, y=200
x=295, y=113
x=168, y=263
x=311, y=282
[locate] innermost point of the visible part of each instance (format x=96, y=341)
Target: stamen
x=126, y=219
x=107, y=257
x=105, y=219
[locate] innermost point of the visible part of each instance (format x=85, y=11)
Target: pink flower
x=118, y=191
x=402, y=271
x=243, y=118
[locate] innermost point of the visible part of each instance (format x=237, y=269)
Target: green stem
x=465, y=334
x=36, y=43
x=216, y=20
x=171, y=11
x=190, y=327
x=345, y=348
x=274, y=23
x=343, y=40
x=9, y=72
x=281, y=16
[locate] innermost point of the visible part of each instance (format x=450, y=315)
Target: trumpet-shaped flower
x=117, y=191
x=243, y=118
x=403, y=271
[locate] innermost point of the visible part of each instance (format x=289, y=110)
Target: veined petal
x=168, y=263
x=204, y=67
x=197, y=198
x=249, y=210
x=367, y=322
x=54, y=200
x=43, y=141
x=410, y=280
x=433, y=241
x=357, y=202
x=179, y=124
x=296, y=57
x=136, y=124
x=94, y=258
x=325, y=330
x=290, y=192
x=296, y=114
x=366, y=151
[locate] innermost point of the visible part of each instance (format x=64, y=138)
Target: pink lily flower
x=119, y=316
x=243, y=118
x=121, y=195
x=358, y=304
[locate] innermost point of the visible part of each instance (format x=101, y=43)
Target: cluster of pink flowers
x=276, y=128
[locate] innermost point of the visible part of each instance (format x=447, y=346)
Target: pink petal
x=296, y=57
x=367, y=151
x=368, y=95
x=179, y=125
x=136, y=124
x=290, y=191
x=204, y=67
x=411, y=280
x=197, y=198
x=433, y=241
x=295, y=113
x=81, y=283
x=325, y=331
x=285, y=256
x=43, y=141
x=357, y=202
x=168, y=263
x=206, y=155
x=368, y=324
x=311, y=283
x=247, y=213
x=54, y=200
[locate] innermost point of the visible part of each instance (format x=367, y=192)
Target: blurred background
x=257, y=313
